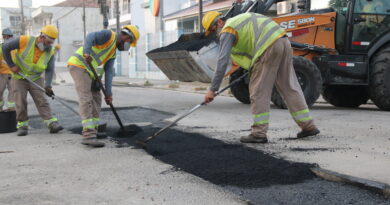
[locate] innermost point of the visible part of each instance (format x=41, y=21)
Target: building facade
x=12, y=18
x=69, y=21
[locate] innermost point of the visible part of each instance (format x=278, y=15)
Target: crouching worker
x=99, y=49
x=33, y=56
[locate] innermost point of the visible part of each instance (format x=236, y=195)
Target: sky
x=35, y=3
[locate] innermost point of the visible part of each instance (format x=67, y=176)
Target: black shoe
x=308, y=133
x=55, y=127
x=253, y=139
x=22, y=131
x=92, y=142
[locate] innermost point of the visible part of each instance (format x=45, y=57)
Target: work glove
x=87, y=58
x=15, y=69
x=49, y=92
x=209, y=97
x=108, y=100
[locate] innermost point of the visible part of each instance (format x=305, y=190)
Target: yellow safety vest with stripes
x=24, y=59
x=255, y=34
x=100, y=55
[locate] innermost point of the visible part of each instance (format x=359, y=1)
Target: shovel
x=123, y=132
x=143, y=143
x=58, y=99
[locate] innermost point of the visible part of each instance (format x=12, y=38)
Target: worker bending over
x=33, y=56
x=258, y=44
x=99, y=49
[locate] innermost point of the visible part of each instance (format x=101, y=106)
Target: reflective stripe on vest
x=99, y=71
x=25, y=61
x=302, y=115
x=255, y=34
x=99, y=55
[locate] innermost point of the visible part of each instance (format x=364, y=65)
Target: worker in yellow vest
x=5, y=75
x=33, y=56
x=256, y=43
x=100, y=50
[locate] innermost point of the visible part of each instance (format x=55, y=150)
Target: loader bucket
x=191, y=58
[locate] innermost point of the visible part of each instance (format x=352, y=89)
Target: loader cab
x=369, y=20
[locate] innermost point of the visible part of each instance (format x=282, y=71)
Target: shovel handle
x=99, y=80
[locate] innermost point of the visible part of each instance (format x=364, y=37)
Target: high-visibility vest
x=100, y=55
x=24, y=59
x=255, y=34
x=4, y=69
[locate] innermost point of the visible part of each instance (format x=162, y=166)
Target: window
x=371, y=20
x=126, y=7
x=372, y=7
x=14, y=20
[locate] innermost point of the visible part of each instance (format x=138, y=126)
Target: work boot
x=22, y=131
x=101, y=131
x=55, y=127
x=308, y=133
x=102, y=127
x=101, y=135
x=251, y=138
x=92, y=142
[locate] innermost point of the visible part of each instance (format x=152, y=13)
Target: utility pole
x=104, y=10
x=200, y=15
x=84, y=23
x=22, y=17
x=118, y=27
x=59, y=42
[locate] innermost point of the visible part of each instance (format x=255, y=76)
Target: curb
x=378, y=187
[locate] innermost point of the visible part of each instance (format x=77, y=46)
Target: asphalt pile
x=188, y=42
x=222, y=163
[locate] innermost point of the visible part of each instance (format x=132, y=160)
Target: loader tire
x=379, y=88
x=309, y=77
x=241, y=89
x=345, y=96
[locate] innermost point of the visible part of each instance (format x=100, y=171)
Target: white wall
x=70, y=26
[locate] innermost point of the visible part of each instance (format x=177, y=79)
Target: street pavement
x=200, y=161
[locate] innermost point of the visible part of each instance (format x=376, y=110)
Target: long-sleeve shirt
x=226, y=43
x=15, y=44
x=100, y=38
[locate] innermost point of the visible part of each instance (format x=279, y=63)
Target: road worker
x=259, y=45
x=33, y=56
x=5, y=75
x=100, y=50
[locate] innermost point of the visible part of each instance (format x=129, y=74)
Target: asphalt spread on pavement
x=213, y=160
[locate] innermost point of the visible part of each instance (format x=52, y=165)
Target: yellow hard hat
x=209, y=18
x=57, y=46
x=135, y=32
x=50, y=31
